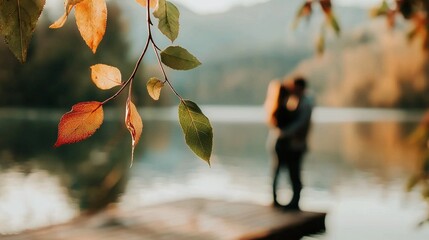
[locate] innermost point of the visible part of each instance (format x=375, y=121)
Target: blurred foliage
x=57, y=73
x=420, y=179
x=330, y=21
x=415, y=11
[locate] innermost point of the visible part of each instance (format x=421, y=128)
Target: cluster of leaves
x=91, y=17
x=415, y=11
x=306, y=10
x=62, y=69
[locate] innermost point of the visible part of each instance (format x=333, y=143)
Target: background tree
x=57, y=71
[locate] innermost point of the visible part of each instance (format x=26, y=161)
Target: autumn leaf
x=105, y=76
x=330, y=17
x=91, y=19
x=197, y=129
x=80, y=123
x=326, y=6
x=134, y=123
x=304, y=11
x=332, y=21
x=179, y=58
x=320, y=43
x=61, y=21
x=68, y=5
x=381, y=10
x=154, y=87
x=18, y=19
x=153, y=3
x=412, y=182
x=168, y=16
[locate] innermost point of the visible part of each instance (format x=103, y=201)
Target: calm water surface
x=357, y=169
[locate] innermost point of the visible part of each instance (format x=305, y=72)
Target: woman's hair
x=300, y=82
x=275, y=95
x=271, y=101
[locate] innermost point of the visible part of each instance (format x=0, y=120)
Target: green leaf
x=334, y=24
x=197, y=129
x=18, y=20
x=320, y=43
x=381, y=10
x=168, y=16
x=154, y=86
x=412, y=182
x=179, y=58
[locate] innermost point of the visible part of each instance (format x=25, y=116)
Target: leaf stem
x=156, y=49
x=133, y=74
x=149, y=40
x=164, y=73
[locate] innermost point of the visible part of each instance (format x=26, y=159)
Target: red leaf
x=80, y=123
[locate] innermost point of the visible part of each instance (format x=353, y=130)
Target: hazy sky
x=208, y=6
x=211, y=6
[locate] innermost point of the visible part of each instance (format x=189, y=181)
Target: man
x=292, y=118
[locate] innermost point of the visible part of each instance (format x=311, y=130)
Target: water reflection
x=356, y=171
x=41, y=185
x=32, y=200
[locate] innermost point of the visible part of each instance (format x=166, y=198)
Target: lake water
x=356, y=170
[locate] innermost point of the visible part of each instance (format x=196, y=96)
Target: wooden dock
x=190, y=219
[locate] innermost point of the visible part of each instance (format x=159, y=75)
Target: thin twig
x=164, y=73
x=133, y=74
x=149, y=40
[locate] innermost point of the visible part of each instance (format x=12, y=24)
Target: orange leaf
x=91, y=19
x=80, y=123
x=68, y=4
x=153, y=3
x=134, y=123
x=105, y=76
x=60, y=22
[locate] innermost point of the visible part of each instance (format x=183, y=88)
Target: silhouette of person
x=290, y=116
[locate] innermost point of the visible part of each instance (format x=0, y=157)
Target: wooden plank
x=188, y=219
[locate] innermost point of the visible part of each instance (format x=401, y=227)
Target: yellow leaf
x=105, y=76
x=134, y=123
x=80, y=123
x=153, y=3
x=154, y=87
x=68, y=4
x=91, y=19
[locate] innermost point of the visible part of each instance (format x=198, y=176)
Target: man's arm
x=301, y=121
